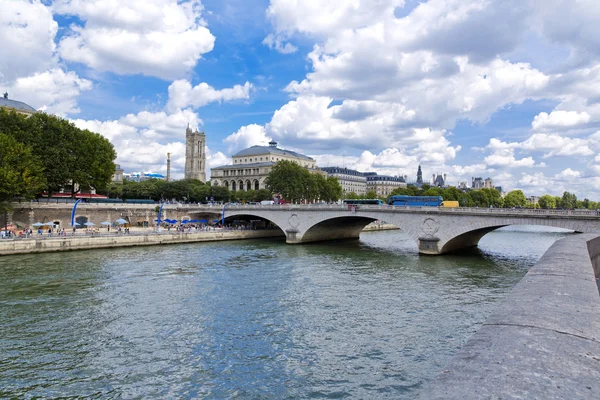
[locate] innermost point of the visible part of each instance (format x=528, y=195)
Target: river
x=249, y=319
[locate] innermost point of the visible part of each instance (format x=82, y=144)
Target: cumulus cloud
x=162, y=38
x=506, y=158
x=567, y=174
x=27, y=38
x=246, y=136
x=182, y=94
x=143, y=140
x=552, y=144
x=54, y=91
x=559, y=119
x=276, y=42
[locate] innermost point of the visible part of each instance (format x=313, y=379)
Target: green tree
x=21, y=173
x=515, y=198
x=289, y=180
x=71, y=157
x=332, y=191
x=371, y=194
x=568, y=201
x=547, y=202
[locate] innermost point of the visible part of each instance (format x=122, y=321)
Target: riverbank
x=85, y=242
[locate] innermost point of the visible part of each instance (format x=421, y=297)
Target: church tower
x=195, y=157
x=419, y=176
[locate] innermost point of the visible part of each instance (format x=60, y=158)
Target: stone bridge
x=435, y=230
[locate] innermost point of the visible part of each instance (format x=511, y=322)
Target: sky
x=507, y=89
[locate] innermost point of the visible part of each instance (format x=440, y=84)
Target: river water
x=249, y=319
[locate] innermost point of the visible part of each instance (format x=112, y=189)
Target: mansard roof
x=16, y=105
x=262, y=150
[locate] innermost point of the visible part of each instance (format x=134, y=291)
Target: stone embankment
x=86, y=242
x=543, y=341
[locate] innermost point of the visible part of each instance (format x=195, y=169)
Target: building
x=143, y=176
x=439, y=180
x=352, y=181
x=118, y=175
x=195, y=155
x=462, y=185
x=250, y=167
x=477, y=183
x=419, y=177
x=14, y=105
x=532, y=200
x=488, y=184
x=383, y=185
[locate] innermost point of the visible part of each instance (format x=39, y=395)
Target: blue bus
x=375, y=202
x=416, y=201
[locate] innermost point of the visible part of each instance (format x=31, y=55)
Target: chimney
x=273, y=144
x=168, y=167
x=6, y=95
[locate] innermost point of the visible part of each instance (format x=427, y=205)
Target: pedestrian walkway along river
x=249, y=319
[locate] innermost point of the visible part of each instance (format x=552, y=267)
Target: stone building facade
x=250, y=167
x=383, y=185
x=352, y=181
x=195, y=155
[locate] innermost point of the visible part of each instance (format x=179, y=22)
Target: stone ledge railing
x=543, y=341
x=520, y=212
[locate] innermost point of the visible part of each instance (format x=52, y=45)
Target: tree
x=288, y=179
x=71, y=157
x=568, y=201
x=547, y=202
x=21, y=173
x=332, y=191
x=515, y=198
x=371, y=194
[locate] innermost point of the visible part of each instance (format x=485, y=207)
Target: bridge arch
x=346, y=227
x=250, y=217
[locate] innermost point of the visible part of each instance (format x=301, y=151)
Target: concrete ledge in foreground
x=42, y=245
x=543, y=341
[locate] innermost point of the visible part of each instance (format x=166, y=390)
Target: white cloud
x=567, y=175
x=552, y=144
x=54, y=91
x=162, y=38
x=559, y=120
x=143, y=140
x=246, y=136
x=276, y=42
x=182, y=94
x=27, y=38
x=506, y=158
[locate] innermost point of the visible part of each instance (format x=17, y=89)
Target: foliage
x=568, y=201
x=547, y=202
x=70, y=157
x=515, y=198
x=21, y=173
x=294, y=183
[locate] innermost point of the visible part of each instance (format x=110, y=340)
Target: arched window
x=241, y=185
x=248, y=185
x=256, y=185
x=233, y=186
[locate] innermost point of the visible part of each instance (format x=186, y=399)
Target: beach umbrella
x=49, y=224
x=105, y=223
x=76, y=224
x=204, y=221
x=38, y=224
x=185, y=221
x=89, y=224
x=121, y=221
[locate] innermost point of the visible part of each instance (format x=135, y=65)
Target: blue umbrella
x=121, y=221
x=185, y=221
x=204, y=221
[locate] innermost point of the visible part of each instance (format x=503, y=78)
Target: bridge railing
x=331, y=207
x=460, y=210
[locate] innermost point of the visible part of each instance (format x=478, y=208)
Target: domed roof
x=15, y=105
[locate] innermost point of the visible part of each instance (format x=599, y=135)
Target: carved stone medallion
x=430, y=226
x=294, y=221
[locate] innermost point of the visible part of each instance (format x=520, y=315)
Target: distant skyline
x=508, y=89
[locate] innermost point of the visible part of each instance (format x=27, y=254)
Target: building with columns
x=195, y=155
x=250, y=167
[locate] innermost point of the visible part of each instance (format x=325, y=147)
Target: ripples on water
x=248, y=319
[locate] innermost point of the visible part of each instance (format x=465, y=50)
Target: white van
x=267, y=202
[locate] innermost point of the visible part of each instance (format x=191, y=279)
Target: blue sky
x=507, y=89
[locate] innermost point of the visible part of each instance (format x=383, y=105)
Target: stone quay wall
x=543, y=341
x=87, y=242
